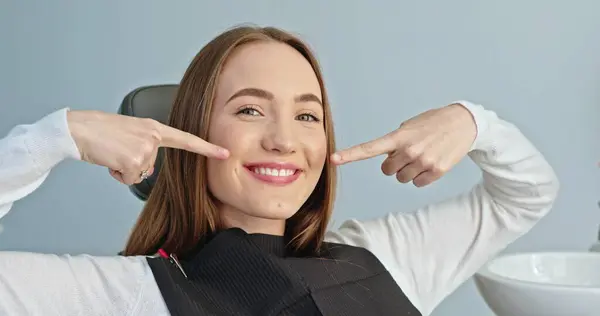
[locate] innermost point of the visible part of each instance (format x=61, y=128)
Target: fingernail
x=224, y=152
x=336, y=158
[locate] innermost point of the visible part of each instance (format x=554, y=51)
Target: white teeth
x=274, y=172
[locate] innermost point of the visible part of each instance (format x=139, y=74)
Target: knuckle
x=153, y=129
x=438, y=169
x=427, y=162
x=148, y=122
x=412, y=152
x=126, y=179
x=188, y=145
x=155, y=136
x=135, y=162
x=147, y=148
x=394, y=136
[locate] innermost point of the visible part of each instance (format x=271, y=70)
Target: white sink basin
x=542, y=284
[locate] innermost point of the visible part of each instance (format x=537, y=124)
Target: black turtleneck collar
x=272, y=244
x=232, y=241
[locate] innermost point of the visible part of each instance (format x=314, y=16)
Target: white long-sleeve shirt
x=429, y=251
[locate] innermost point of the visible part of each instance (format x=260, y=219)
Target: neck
x=252, y=224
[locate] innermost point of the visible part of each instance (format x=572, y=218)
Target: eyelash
x=244, y=111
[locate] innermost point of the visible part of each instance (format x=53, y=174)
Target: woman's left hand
x=423, y=148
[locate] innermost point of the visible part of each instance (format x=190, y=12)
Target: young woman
x=246, y=191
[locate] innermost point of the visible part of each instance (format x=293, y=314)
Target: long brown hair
x=180, y=212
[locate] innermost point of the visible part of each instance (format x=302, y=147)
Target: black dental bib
x=236, y=273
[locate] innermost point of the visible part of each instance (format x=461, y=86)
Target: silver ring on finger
x=144, y=175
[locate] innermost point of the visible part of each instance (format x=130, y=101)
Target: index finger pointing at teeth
x=379, y=146
x=174, y=138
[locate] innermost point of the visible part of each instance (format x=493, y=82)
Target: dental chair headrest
x=149, y=102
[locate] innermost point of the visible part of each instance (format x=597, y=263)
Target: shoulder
x=356, y=255
x=382, y=238
x=35, y=283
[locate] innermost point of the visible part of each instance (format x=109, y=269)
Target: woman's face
x=268, y=112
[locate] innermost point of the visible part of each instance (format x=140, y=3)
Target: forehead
x=275, y=67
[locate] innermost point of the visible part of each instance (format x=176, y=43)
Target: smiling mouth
x=276, y=174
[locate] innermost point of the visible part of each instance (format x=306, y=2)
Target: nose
x=280, y=137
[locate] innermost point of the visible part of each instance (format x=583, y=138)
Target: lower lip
x=275, y=180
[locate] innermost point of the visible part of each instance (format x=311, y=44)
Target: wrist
x=470, y=119
x=76, y=123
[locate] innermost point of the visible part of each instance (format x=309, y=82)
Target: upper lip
x=273, y=165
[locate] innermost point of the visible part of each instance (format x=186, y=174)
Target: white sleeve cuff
x=51, y=141
x=482, y=119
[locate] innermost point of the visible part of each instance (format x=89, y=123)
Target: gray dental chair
x=149, y=102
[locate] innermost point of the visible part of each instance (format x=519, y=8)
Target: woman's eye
x=249, y=111
x=307, y=118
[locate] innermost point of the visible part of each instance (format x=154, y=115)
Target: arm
x=127, y=146
x=29, y=152
x=47, y=284
x=432, y=251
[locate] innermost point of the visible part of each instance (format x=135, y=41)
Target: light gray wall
x=534, y=62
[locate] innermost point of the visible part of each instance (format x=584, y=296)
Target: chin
x=274, y=210
x=264, y=218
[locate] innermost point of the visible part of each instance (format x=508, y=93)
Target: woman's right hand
x=128, y=145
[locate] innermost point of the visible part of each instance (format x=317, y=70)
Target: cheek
x=223, y=133
x=221, y=176
x=316, y=152
x=241, y=142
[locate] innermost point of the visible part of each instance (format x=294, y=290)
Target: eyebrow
x=264, y=94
